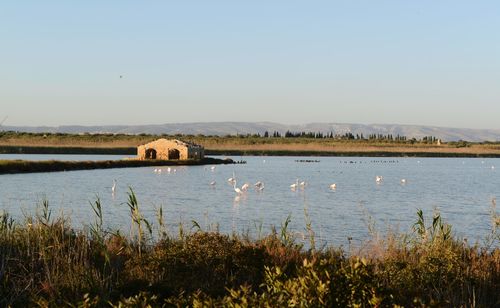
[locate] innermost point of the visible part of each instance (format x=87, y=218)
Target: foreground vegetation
x=14, y=142
x=44, y=262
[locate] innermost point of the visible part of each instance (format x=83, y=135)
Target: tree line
x=266, y=134
x=344, y=136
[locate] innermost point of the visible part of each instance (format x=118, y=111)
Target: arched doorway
x=174, y=154
x=150, y=154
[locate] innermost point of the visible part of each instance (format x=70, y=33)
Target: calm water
x=461, y=189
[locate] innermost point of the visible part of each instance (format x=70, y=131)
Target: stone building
x=167, y=149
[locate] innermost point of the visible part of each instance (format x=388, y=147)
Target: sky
x=125, y=62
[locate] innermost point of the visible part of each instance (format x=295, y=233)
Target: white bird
x=232, y=179
x=237, y=189
x=259, y=186
x=156, y=170
x=245, y=187
x=378, y=179
x=159, y=170
x=303, y=184
x=403, y=181
x=333, y=186
x=113, y=188
x=212, y=168
x=295, y=185
x=169, y=169
x=213, y=183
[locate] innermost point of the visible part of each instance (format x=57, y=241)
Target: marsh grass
x=44, y=262
x=13, y=142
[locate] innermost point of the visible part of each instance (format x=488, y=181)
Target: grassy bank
x=263, y=151
x=43, y=261
x=11, y=142
x=26, y=166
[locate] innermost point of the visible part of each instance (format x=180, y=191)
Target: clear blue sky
x=407, y=62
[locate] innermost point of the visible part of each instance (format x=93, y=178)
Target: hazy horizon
x=249, y=122
x=128, y=63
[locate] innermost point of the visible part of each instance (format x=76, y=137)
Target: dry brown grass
x=247, y=144
x=345, y=147
x=63, y=142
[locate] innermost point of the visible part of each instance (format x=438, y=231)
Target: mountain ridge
x=235, y=128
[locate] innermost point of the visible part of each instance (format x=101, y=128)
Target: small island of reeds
x=27, y=166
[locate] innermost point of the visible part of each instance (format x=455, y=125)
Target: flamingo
x=303, y=184
x=295, y=185
x=212, y=168
x=237, y=189
x=378, y=179
x=113, y=188
x=403, y=181
x=213, y=183
x=259, y=186
x=245, y=187
x=333, y=186
x=232, y=179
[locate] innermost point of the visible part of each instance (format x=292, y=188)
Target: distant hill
x=233, y=128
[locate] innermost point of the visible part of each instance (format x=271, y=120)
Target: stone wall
x=165, y=149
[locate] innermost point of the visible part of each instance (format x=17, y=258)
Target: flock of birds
x=160, y=170
x=259, y=185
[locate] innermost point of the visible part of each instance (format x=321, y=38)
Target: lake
x=461, y=189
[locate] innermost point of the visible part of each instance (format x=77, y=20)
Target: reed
x=44, y=262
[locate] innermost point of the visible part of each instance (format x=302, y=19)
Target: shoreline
x=250, y=152
x=351, y=153
x=25, y=166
